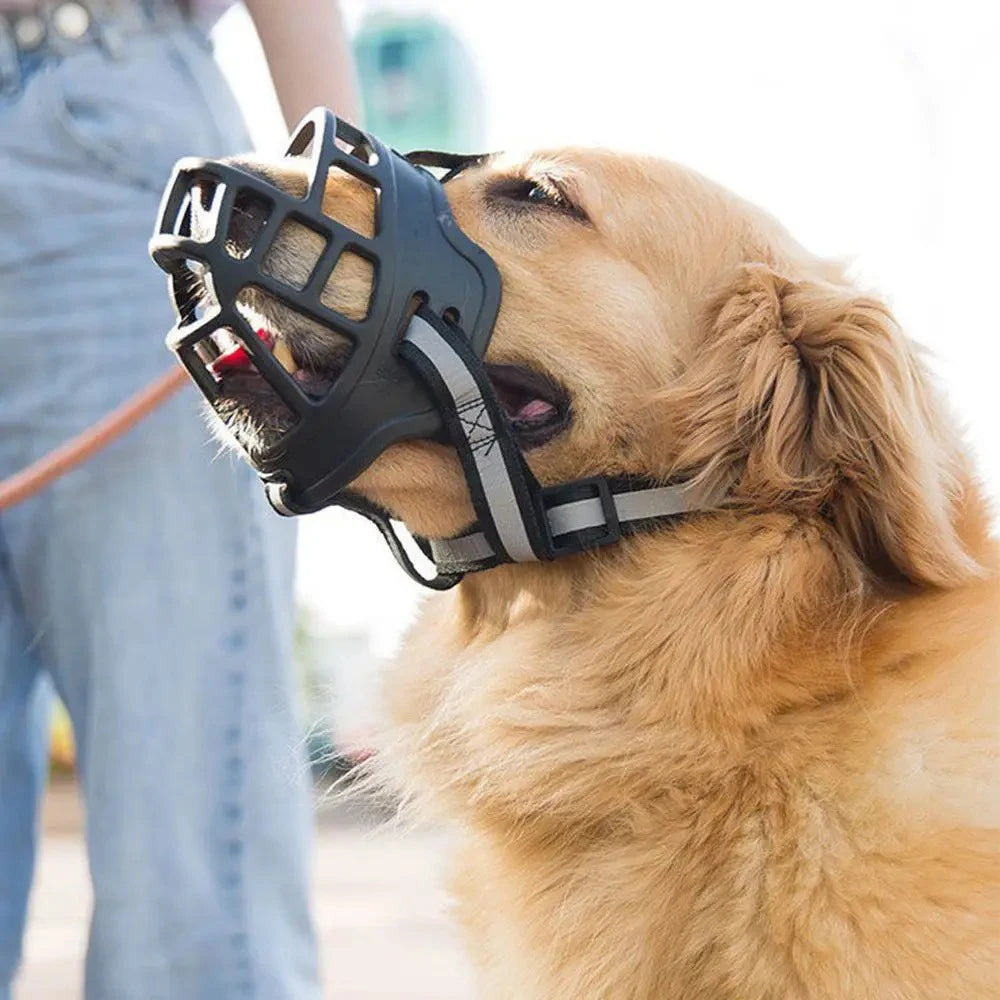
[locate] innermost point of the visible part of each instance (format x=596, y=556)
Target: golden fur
x=750, y=756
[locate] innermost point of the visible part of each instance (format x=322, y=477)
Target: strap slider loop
x=593, y=534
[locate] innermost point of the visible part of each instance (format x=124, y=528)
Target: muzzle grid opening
x=251, y=213
x=295, y=252
x=352, y=271
x=320, y=355
x=218, y=348
x=365, y=195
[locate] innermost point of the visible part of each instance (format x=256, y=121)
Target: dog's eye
x=536, y=191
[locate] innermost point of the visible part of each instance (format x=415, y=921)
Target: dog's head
x=651, y=324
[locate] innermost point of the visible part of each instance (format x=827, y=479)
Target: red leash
x=78, y=449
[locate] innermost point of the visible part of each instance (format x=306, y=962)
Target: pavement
x=380, y=911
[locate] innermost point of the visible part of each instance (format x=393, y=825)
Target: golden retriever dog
x=750, y=755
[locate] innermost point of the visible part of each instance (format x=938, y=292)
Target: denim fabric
x=152, y=585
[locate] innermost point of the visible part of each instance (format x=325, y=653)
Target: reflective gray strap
x=478, y=429
x=467, y=549
x=658, y=501
x=577, y=515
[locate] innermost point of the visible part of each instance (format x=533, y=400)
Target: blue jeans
x=152, y=585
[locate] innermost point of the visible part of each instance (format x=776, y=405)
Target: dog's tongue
x=237, y=358
x=536, y=409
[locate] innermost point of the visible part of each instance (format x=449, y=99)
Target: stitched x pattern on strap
x=476, y=425
x=480, y=435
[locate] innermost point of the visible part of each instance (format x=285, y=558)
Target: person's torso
x=204, y=12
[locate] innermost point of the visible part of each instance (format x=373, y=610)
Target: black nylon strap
x=444, y=580
x=452, y=163
x=507, y=506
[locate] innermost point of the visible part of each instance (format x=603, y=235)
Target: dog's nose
x=250, y=209
x=246, y=220
x=203, y=195
x=248, y=217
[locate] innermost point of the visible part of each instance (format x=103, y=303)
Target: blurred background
x=868, y=128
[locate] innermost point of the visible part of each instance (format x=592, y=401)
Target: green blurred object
x=419, y=84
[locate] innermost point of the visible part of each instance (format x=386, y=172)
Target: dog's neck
x=674, y=653
x=735, y=630
x=755, y=614
x=720, y=624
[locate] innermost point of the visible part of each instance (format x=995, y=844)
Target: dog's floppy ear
x=806, y=395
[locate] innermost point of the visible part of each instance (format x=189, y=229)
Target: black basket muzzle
x=416, y=365
x=417, y=253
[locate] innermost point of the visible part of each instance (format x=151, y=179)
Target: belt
x=54, y=29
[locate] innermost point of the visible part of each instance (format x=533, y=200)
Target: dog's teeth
x=224, y=340
x=284, y=356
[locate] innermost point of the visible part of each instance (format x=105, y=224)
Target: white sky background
x=868, y=128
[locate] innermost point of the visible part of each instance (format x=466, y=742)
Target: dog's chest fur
x=681, y=798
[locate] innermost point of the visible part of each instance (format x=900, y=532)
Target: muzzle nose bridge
x=178, y=241
x=327, y=143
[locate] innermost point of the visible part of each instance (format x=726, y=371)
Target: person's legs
x=158, y=583
x=175, y=666
x=24, y=712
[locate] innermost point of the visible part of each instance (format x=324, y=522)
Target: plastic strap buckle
x=592, y=536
